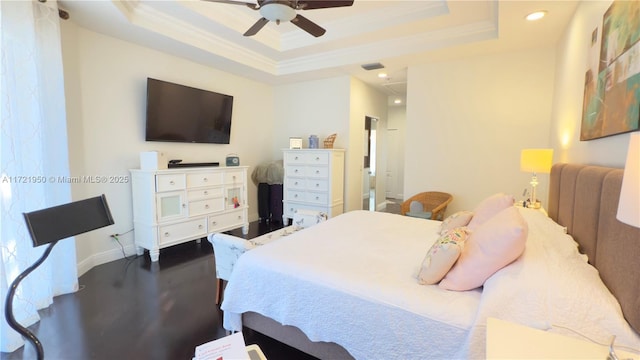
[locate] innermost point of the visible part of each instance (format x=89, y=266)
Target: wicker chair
x=433, y=202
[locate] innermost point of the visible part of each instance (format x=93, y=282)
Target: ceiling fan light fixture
x=277, y=12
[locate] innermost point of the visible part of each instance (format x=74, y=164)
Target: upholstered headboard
x=584, y=199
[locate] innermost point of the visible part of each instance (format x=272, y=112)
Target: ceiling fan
x=285, y=10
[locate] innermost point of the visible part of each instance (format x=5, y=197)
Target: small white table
x=506, y=340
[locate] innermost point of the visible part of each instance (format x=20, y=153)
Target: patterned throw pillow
x=459, y=219
x=441, y=256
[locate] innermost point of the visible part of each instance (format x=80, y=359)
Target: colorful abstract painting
x=612, y=81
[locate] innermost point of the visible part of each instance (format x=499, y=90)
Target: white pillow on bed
x=492, y=246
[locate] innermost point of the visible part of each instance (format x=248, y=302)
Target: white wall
x=468, y=119
x=306, y=108
x=569, y=87
x=106, y=98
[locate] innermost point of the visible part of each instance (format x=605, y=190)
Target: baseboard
x=103, y=258
x=116, y=254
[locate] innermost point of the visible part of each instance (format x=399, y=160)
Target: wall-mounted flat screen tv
x=185, y=114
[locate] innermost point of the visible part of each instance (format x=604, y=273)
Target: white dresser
x=313, y=180
x=177, y=205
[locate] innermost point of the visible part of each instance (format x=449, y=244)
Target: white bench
x=227, y=249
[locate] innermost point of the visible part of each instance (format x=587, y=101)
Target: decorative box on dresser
x=313, y=180
x=177, y=205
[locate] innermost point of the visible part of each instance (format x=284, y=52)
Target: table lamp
x=629, y=204
x=48, y=226
x=535, y=161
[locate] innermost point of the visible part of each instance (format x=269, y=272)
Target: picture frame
x=611, y=102
x=295, y=143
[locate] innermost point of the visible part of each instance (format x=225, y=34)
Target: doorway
x=369, y=178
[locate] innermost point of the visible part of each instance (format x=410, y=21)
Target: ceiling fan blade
x=256, y=27
x=248, y=4
x=308, y=26
x=320, y=4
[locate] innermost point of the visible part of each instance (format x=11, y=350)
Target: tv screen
x=186, y=114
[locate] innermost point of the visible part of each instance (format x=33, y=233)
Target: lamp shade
x=629, y=204
x=536, y=160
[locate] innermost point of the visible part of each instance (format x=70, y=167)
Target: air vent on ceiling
x=372, y=66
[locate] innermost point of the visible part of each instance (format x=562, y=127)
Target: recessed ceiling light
x=397, y=101
x=537, y=15
x=382, y=75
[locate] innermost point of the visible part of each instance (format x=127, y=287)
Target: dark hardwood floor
x=135, y=309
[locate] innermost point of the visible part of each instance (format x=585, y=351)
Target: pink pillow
x=489, y=207
x=492, y=246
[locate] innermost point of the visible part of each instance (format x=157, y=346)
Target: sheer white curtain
x=34, y=156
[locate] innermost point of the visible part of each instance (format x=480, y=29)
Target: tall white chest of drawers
x=313, y=180
x=177, y=205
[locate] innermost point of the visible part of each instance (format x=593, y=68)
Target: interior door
x=369, y=173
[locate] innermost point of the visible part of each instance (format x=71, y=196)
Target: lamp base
x=534, y=205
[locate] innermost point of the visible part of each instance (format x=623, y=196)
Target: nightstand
x=507, y=340
x=541, y=209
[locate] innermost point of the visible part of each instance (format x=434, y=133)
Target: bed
x=347, y=288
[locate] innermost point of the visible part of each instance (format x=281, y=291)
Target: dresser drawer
x=233, y=177
x=317, y=198
x=204, y=179
x=290, y=209
x=296, y=170
x=174, y=233
x=293, y=195
x=204, y=193
x=170, y=182
x=317, y=172
x=319, y=158
x=317, y=185
x=205, y=206
x=296, y=183
x=294, y=158
x=225, y=221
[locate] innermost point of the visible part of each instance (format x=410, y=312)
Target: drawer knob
x=317, y=185
x=317, y=198
x=295, y=196
x=239, y=217
x=166, y=234
x=184, y=206
x=200, y=226
x=214, y=223
x=317, y=171
x=296, y=183
x=206, y=206
x=296, y=158
x=295, y=171
x=172, y=182
x=205, y=179
x=206, y=192
x=317, y=158
x=234, y=178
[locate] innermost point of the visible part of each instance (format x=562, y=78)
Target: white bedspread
x=352, y=281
